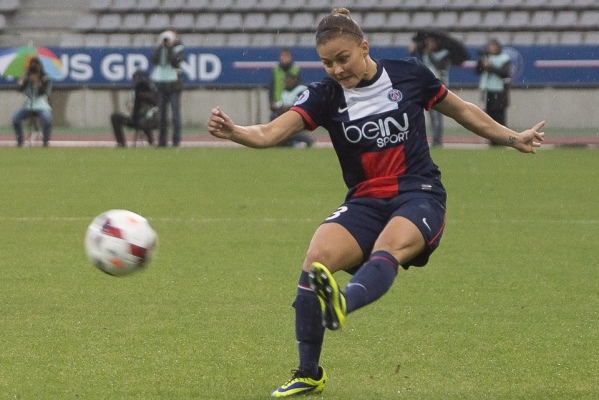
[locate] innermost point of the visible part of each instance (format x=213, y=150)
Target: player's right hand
x=220, y=125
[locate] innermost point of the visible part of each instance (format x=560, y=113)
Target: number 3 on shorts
x=337, y=213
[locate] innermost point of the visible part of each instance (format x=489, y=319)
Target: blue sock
x=371, y=281
x=309, y=331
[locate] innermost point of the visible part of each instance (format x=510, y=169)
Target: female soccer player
x=394, y=213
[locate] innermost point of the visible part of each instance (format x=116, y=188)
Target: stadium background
x=231, y=45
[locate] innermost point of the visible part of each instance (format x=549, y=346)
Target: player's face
x=345, y=60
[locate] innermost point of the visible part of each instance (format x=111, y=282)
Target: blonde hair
x=339, y=22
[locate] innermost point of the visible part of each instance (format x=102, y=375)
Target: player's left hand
x=530, y=139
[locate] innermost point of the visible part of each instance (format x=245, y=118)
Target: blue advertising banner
x=238, y=67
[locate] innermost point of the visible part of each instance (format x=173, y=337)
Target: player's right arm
x=222, y=126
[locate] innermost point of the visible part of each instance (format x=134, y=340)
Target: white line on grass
x=166, y=219
x=530, y=221
x=307, y=220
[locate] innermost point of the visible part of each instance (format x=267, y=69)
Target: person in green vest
x=277, y=83
x=494, y=69
x=291, y=93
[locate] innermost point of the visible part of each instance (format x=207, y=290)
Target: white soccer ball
x=120, y=242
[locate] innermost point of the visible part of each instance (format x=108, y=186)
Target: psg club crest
x=394, y=95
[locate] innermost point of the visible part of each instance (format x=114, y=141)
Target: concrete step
x=43, y=19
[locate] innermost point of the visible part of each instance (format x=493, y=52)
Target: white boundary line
x=283, y=220
x=228, y=144
x=109, y=144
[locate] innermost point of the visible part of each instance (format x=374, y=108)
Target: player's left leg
x=334, y=247
x=333, y=244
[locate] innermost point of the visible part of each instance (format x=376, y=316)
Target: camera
x=167, y=38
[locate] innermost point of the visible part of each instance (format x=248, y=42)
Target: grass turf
x=507, y=307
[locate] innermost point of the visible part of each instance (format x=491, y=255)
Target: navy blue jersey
x=378, y=128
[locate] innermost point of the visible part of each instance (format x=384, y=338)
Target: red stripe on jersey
x=308, y=121
x=382, y=169
x=440, y=94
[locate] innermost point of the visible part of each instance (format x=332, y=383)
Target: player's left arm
x=471, y=117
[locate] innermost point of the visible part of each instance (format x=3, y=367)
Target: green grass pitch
x=508, y=307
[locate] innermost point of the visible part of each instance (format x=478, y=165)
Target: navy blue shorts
x=365, y=219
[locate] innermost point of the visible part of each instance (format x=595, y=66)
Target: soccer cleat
x=300, y=385
x=332, y=301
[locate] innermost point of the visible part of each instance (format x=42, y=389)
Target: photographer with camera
x=428, y=50
x=37, y=86
x=166, y=75
x=494, y=69
x=143, y=109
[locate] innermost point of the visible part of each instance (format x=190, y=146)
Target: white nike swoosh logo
x=424, y=220
x=354, y=284
x=342, y=110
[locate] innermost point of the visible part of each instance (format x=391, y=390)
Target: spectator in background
x=166, y=75
x=37, y=86
x=143, y=110
x=437, y=60
x=292, y=90
x=277, y=83
x=494, y=69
